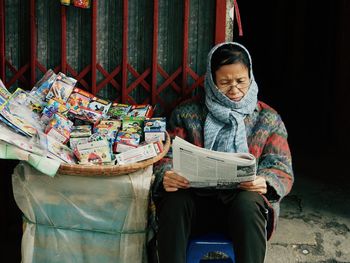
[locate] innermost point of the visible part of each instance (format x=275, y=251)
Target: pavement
x=314, y=223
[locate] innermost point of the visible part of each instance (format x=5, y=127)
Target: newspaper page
x=207, y=168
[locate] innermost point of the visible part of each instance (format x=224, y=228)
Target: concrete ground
x=314, y=224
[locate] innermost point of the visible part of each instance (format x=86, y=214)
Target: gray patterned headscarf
x=224, y=126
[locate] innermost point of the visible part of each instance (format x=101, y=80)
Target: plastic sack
x=82, y=219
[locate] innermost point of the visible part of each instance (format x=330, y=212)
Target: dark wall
x=301, y=63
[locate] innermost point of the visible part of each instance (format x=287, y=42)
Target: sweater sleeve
x=175, y=128
x=275, y=162
x=186, y=121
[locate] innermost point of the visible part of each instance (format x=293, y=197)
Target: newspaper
x=207, y=168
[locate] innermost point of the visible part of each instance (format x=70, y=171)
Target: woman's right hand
x=173, y=181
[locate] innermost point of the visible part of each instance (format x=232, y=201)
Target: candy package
x=118, y=110
x=82, y=3
x=42, y=87
x=79, y=98
x=62, y=87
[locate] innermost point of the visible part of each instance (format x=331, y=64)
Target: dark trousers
x=240, y=215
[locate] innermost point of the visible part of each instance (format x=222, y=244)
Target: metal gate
x=134, y=51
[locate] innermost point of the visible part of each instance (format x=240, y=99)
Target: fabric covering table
x=82, y=219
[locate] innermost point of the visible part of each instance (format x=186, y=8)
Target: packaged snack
x=158, y=146
x=113, y=124
x=109, y=128
x=154, y=129
x=118, y=110
x=59, y=127
x=82, y=3
x=154, y=136
x=133, y=124
x=65, y=2
x=137, y=154
x=54, y=106
x=73, y=142
x=89, y=115
x=128, y=138
x=142, y=110
x=81, y=131
x=79, y=98
x=60, y=151
x=120, y=147
x=62, y=87
x=101, y=105
x=155, y=125
x=42, y=87
x=96, y=152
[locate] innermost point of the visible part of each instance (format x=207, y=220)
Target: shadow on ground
x=314, y=223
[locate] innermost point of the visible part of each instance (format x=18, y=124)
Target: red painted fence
x=124, y=88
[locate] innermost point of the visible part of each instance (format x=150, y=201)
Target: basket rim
x=111, y=170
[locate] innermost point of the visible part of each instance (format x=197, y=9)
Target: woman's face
x=233, y=80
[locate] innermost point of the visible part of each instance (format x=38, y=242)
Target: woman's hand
x=258, y=185
x=172, y=181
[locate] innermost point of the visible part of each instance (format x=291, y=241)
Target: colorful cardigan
x=267, y=141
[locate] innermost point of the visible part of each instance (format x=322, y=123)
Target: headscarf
x=224, y=126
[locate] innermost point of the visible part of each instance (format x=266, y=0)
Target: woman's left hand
x=258, y=185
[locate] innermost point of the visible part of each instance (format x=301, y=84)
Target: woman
x=230, y=120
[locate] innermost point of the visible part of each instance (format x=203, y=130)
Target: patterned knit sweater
x=267, y=141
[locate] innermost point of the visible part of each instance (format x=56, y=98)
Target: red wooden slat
x=192, y=73
x=63, y=39
x=32, y=43
x=166, y=76
x=170, y=80
x=79, y=76
x=109, y=77
x=137, y=75
x=18, y=75
x=57, y=69
x=83, y=73
x=146, y=101
x=140, y=79
x=40, y=66
x=14, y=71
x=199, y=82
x=220, y=21
x=2, y=42
x=93, y=45
x=155, y=52
x=130, y=100
x=125, y=52
x=185, y=47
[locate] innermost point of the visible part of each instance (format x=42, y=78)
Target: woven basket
x=111, y=170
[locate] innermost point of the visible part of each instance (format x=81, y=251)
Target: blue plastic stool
x=200, y=246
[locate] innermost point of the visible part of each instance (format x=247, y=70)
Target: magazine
x=21, y=112
x=207, y=168
x=4, y=93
